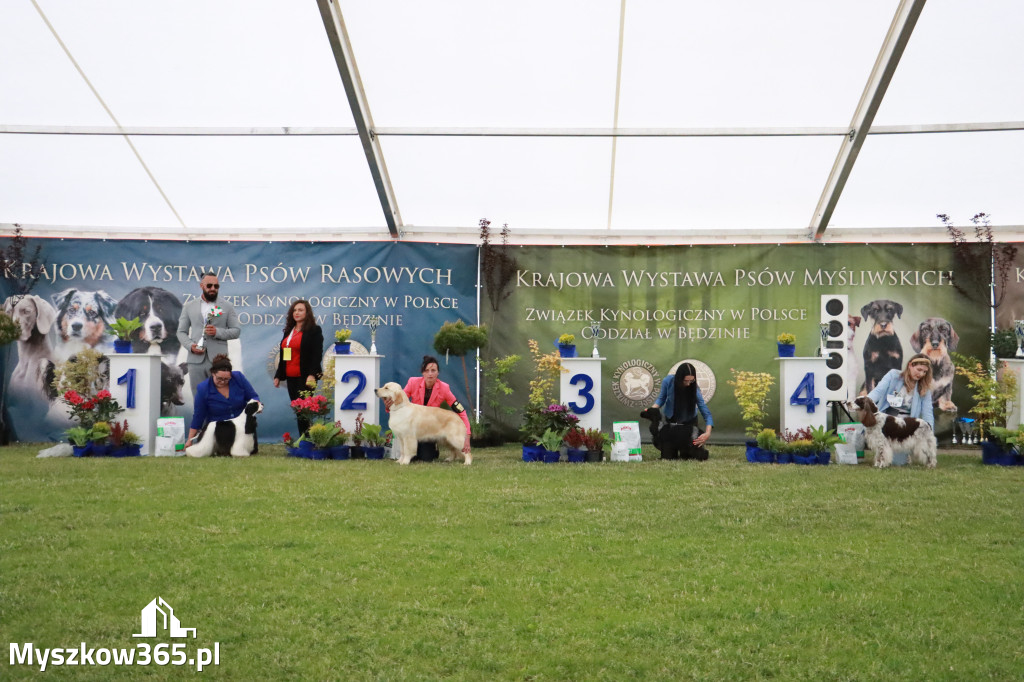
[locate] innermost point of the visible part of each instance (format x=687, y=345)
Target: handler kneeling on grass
x=681, y=399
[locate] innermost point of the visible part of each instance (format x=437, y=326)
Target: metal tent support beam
x=345, y=58
x=881, y=75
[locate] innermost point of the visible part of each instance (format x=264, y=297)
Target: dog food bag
x=852, y=445
x=628, y=434
x=170, y=437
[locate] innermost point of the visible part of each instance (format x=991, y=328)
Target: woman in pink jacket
x=431, y=391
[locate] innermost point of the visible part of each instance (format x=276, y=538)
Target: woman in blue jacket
x=907, y=393
x=680, y=400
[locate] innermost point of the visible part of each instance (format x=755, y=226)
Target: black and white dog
x=674, y=441
x=158, y=310
x=884, y=434
x=235, y=437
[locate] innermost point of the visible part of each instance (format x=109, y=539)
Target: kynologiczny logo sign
x=635, y=383
x=157, y=618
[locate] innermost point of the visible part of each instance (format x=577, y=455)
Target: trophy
x=1018, y=329
x=214, y=313
x=966, y=427
x=595, y=327
x=823, y=330
x=373, y=323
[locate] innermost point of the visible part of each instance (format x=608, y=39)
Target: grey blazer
x=192, y=322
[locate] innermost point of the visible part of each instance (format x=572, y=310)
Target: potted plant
x=567, y=346
x=823, y=440
x=751, y=391
x=100, y=434
x=290, y=447
x=131, y=444
x=321, y=435
x=1004, y=447
x=765, y=448
x=786, y=345
x=123, y=329
x=459, y=339
x=576, y=444
x=993, y=391
x=551, y=441
x=594, y=439
x=342, y=346
x=338, y=445
x=356, y=449
x=81, y=439
x=373, y=440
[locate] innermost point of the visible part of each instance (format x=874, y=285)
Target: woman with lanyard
x=681, y=398
x=302, y=349
x=907, y=393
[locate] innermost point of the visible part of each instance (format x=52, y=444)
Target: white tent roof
x=570, y=120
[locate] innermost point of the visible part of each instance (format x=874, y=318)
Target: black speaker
x=835, y=310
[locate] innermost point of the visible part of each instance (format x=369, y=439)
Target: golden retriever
x=411, y=423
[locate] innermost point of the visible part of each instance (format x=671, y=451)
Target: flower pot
x=994, y=454
x=805, y=459
x=786, y=350
x=594, y=456
x=126, y=451
x=751, y=450
x=373, y=451
x=81, y=450
x=356, y=452
x=340, y=452
x=762, y=456
x=566, y=350
x=292, y=452
x=122, y=346
x=576, y=455
x=551, y=456
x=824, y=457
x=343, y=348
x=784, y=457
x=99, y=450
x=532, y=453
x=320, y=453
x=305, y=448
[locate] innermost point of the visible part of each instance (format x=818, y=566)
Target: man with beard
x=203, y=318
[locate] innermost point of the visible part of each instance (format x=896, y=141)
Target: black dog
x=883, y=350
x=674, y=441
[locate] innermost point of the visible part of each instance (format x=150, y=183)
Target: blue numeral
x=807, y=388
x=347, y=403
x=128, y=378
x=588, y=385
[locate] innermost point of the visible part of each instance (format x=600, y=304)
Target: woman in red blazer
x=431, y=391
x=302, y=351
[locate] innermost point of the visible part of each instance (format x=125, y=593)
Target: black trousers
x=686, y=448
x=295, y=386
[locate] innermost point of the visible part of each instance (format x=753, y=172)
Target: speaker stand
x=837, y=407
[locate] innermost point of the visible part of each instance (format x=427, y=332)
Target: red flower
x=287, y=437
x=103, y=395
x=73, y=398
x=89, y=404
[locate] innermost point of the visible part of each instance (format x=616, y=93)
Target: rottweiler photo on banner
x=722, y=307
x=87, y=284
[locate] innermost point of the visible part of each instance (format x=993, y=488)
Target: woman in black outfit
x=302, y=350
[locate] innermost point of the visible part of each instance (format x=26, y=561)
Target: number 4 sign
x=806, y=387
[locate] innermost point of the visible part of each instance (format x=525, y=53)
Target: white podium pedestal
x=135, y=385
x=1015, y=416
x=793, y=378
x=580, y=389
x=356, y=377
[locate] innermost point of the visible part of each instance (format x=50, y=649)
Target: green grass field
x=364, y=570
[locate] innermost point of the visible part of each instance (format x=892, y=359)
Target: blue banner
x=86, y=284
